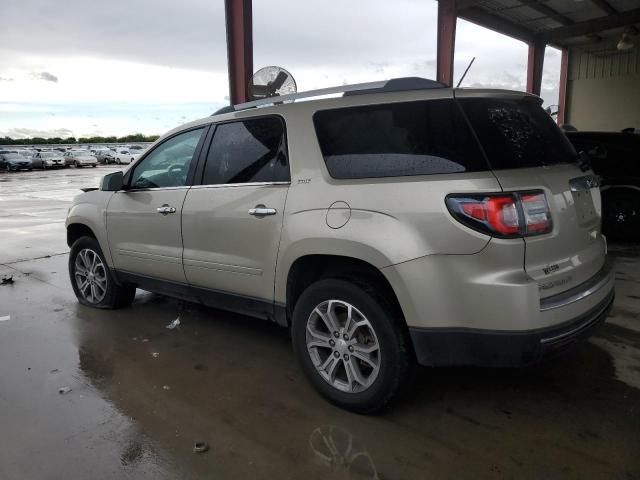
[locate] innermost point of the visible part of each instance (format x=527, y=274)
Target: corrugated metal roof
x=555, y=20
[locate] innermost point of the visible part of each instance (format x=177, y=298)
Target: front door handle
x=261, y=211
x=166, y=209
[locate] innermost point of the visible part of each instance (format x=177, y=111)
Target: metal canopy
x=561, y=23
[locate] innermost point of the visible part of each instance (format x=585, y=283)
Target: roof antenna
x=465, y=72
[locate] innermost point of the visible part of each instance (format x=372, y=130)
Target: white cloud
x=143, y=65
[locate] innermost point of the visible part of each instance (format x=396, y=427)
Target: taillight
x=537, y=218
x=505, y=215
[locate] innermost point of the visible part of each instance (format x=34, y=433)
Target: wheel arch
x=307, y=269
x=78, y=230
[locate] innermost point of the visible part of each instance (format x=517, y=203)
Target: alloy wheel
x=343, y=346
x=90, y=275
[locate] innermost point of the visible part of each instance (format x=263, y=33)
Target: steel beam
x=447, y=19
x=562, y=98
x=497, y=24
x=535, y=63
x=604, y=6
x=239, y=20
x=547, y=11
x=588, y=27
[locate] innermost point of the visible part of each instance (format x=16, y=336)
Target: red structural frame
x=240, y=52
x=447, y=20
x=562, y=99
x=535, y=62
x=239, y=19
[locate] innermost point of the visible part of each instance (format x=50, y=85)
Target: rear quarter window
x=399, y=139
x=517, y=133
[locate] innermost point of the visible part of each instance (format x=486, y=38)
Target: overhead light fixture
x=626, y=41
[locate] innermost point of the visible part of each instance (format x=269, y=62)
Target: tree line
x=136, y=137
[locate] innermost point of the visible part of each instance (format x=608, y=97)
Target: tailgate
x=575, y=250
x=527, y=151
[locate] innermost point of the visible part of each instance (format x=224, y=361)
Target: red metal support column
x=239, y=22
x=447, y=17
x=562, y=98
x=534, y=67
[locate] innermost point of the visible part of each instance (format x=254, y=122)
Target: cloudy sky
x=95, y=67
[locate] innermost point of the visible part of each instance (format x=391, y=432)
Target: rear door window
x=517, y=133
x=397, y=139
x=247, y=151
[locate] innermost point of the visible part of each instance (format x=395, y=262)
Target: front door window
x=168, y=164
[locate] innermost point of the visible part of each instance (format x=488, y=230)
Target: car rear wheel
x=92, y=280
x=351, y=344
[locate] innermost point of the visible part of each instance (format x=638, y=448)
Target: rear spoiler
x=89, y=189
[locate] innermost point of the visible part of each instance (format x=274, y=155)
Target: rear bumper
x=449, y=347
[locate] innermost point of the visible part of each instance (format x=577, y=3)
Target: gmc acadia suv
x=385, y=228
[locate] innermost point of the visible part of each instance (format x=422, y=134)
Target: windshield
x=49, y=155
x=13, y=156
x=517, y=133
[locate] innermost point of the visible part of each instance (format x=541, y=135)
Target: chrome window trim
x=580, y=292
x=154, y=189
x=247, y=184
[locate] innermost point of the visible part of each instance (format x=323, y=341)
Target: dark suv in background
x=615, y=157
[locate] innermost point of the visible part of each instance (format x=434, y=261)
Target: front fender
x=90, y=209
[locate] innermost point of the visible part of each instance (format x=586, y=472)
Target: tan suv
x=400, y=223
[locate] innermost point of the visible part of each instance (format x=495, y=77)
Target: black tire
x=116, y=296
x=396, y=360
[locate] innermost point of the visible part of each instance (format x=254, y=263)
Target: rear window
x=517, y=133
x=399, y=139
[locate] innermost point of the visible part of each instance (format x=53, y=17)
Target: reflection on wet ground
x=142, y=394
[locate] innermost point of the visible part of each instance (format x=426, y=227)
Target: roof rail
x=393, y=85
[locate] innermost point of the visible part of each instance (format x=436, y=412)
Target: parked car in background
x=14, y=162
x=6, y=151
x=105, y=156
x=48, y=159
x=430, y=225
x=615, y=157
x=125, y=156
x=80, y=158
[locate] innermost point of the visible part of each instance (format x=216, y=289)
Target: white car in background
x=126, y=156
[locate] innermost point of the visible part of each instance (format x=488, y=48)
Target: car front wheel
x=92, y=280
x=351, y=344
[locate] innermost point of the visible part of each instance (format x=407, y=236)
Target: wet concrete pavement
x=142, y=394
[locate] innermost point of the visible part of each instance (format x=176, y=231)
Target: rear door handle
x=261, y=211
x=166, y=209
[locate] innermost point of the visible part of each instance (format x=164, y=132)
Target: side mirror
x=112, y=182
